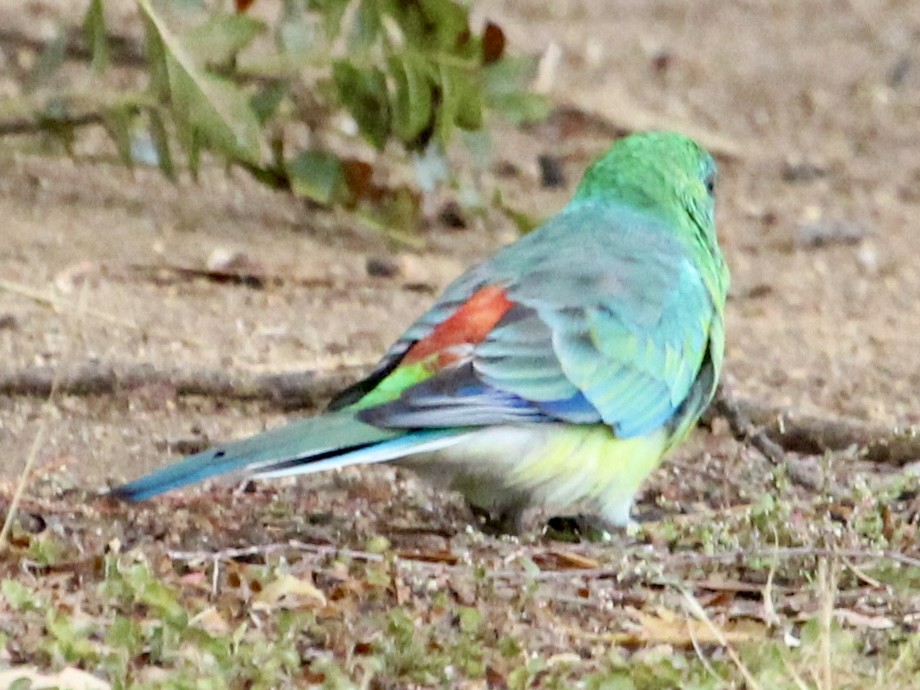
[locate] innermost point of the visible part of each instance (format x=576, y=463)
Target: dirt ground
x=811, y=108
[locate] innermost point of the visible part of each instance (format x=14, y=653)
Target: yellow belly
x=555, y=466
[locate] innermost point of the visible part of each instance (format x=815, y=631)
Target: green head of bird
x=665, y=174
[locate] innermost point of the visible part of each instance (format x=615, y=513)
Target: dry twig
x=700, y=613
x=775, y=431
x=301, y=389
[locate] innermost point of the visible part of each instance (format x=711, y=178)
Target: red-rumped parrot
x=557, y=372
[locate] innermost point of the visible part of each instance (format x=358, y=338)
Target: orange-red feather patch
x=466, y=326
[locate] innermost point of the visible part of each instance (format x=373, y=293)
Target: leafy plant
x=284, y=99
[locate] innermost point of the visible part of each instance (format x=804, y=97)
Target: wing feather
x=612, y=325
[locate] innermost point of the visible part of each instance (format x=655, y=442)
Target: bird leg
x=495, y=522
x=584, y=527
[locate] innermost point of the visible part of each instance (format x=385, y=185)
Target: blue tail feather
x=312, y=444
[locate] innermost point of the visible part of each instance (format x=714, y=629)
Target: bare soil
x=811, y=108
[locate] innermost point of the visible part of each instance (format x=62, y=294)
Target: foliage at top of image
x=269, y=94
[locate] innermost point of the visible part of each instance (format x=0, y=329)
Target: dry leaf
x=442, y=556
x=861, y=620
x=291, y=593
x=668, y=627
x=211, y=622
x=556, y=559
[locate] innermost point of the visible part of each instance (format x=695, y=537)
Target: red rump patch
x=466, y=326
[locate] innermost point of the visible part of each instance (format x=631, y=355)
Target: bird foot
x=589, y=528
x=497, y=523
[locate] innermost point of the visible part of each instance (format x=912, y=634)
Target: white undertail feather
x=555, y=466
x=382, y=452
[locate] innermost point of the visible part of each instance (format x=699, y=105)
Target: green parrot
x=558, y=372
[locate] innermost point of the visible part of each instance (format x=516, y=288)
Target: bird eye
x=710, y=183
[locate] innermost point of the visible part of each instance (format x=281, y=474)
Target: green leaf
x=450, y=22
x=364, y=93
x=221, y=38
x=161, y=141
x=124, y=632
x=365, y=28
x=18, y=596
x=193, y=150
x=331, y=12
x=156, y=61
x=470, y=619
x=218, y=110
x=396, y=214
x=266, y=101
x=431, y=24
x=449, y=87
x=509, y=75
x=316, y=176
x=469, y=115
x=70, y=639
x=618, y=680
x=460, y=101
x=209, y=105
x=118, y=124
x=94, y=35
x=505, y=88
x=412, y=106
x=522, y=108
x=23, y=683
x=161, y=599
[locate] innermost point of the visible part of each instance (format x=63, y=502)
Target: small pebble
x=802, y=171
x=506, y=169
x=551, y=172
x=899, y=72
x=224, y=259
x=381, y=267
x=815, y=235
x=451, y=216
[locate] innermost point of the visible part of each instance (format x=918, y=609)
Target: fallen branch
x=814, y=435
x=775, y=431
x=123, y=50
x=42, y=123
x=672, y=561
x=299, y=389
x=273, y=548
x=742, y=426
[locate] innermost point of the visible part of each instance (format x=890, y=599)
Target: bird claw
x=497, y=523
x=589, y=528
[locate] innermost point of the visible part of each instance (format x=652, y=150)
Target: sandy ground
x=811, y=108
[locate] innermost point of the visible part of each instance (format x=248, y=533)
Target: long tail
x=308, y=445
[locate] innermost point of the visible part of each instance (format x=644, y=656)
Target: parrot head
x=662, y=172
x=669, y=175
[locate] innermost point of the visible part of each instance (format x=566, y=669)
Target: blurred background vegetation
x=318, y=97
